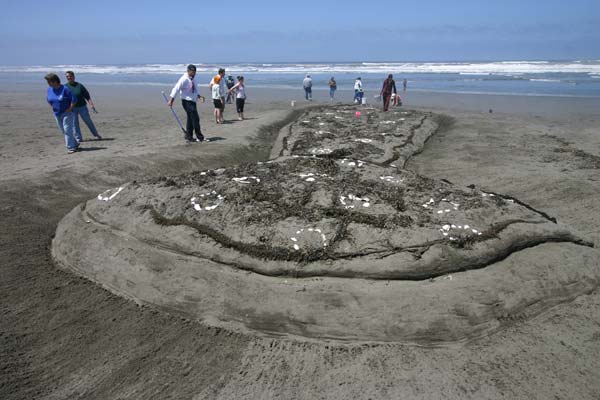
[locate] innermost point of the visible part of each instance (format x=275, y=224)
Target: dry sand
x=64, y=337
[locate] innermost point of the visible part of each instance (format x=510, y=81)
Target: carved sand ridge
x=341, y=244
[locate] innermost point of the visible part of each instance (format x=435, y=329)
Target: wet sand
x=64, y=337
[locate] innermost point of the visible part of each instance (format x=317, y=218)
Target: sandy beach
x=64, y=337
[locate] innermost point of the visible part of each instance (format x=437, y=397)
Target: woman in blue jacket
x=62, y=101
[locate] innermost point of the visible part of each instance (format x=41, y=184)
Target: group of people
x=222, y=90
x=68, y=103
x=388, y=93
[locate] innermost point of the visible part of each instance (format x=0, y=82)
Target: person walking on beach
x=186, y=87
x=307, y=84
x=223, y=90
x=389, y=87
x=80, y=110
x=217, y=99
x=332, y=88
x=358, y=90
x=230, y=95
x=404, y=83
x=61, y=102
x=239, y=89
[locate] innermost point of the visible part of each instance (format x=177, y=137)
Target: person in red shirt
x=389, y=87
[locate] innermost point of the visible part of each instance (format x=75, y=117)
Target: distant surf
x=591, y=67
x=572, y=78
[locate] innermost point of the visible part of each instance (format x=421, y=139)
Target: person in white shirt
x=186, y=87
x=223, y=88
x=240, y=96
x=358, y=91
x=217, y=98
x=307, y=84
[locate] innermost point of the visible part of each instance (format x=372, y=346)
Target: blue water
x=546, y=78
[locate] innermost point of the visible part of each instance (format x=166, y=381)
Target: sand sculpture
x=331, y=239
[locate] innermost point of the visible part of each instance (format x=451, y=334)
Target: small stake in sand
x=175, y=114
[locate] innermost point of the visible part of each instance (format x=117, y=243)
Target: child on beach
x=217, y=99
x=240, y=96
x=222, y=83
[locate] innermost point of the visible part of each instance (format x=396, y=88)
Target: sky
x=131, y=32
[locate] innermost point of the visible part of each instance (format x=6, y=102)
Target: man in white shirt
x=223, y=90
x=186, y=87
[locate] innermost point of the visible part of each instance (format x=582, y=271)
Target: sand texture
x=65, y=337
x=385, y=231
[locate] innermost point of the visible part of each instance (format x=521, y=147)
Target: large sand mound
x=333, y=239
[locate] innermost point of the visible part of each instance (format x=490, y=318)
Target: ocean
x=570, y=78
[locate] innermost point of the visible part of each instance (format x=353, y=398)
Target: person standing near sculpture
x=389, y=87
x=186, y=87
x=239, y=89
x=332, y=88
x=80, y=110
x=230, y=95
x=61, y=102
x=221, y=81
x=217, y=98
x=358, y=91
x=307, y=85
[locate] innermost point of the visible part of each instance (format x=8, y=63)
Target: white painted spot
x=321, y=151
x=246, y=179
x=317, y=230
x=198, y=207
x=110, y=194
x=354, y=198
x=391, y=179
x=350, y=163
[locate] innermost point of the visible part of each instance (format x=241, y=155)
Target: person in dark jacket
x=389, y=87
x=80, y=109
x=61, y=101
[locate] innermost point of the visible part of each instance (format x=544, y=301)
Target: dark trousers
x=386, y=101
x=308, y=93
x=239, y=105
x=193, y=120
